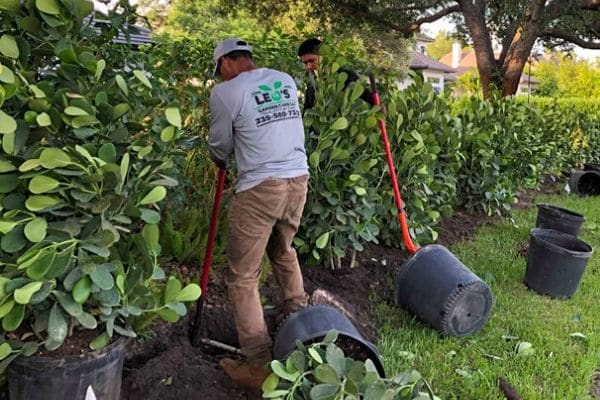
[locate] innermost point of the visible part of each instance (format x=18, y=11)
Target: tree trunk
x=482, y=44
x=520, y=49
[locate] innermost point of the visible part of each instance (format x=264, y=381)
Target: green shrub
x=87, y=153
x=322, y=371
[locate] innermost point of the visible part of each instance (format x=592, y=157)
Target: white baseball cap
x=227, y=46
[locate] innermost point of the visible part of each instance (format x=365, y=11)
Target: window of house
x=436, y=83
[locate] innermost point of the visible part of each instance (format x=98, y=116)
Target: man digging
x=256, y=120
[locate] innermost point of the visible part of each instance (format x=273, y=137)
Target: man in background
x=309, y=55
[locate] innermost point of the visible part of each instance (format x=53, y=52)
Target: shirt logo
x=269, y=95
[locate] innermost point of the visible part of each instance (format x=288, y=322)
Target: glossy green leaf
x=6, y=166
x=41, y=264
x=7, y=123
x=271, y=383
x=6, y=75
x=82, y=290
x=83, y=120
x=8, y=182
x=324, y=391
x=75, y=111
x=68, y=303
x=6, y=307
x=173, y=116
x=150, y=233
x=322, y=240
x=108, y=153
x=7, y=225
x=23, y=294
x=189, y=293
x=168, y=315
x=122, y=85
x=141, y=76
x=54, y=158
x=100, y=341
x=279, y=369
x=150, y=216
x=339, y=124
x=167, y=134
x=29, y=348
x=10, y=5
x=14, y=240
x=5, y=350
x=48, y=6
x=42, y=184
x=43, y=119
x=87, y=320
x=8, y=46
x=30, y=164
x=57, y=327
x=100, y=65
x=154, y=196
x=172, y=289
x=41, y=202
x=13, y=319
x=102, y=278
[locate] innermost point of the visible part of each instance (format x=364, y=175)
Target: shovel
x=432, y=283
x=195, y=331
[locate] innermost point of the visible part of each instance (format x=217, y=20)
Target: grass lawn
x=562, y=365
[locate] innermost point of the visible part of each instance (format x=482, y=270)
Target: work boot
x=248, y=374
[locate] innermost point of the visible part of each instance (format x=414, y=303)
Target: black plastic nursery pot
x=555, y=262
x=441, y=291
x=311, y=324
x=585, y=183
x=591, y=167
x=54, y=378
x=559, y=219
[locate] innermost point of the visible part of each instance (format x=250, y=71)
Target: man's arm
x=353, y=77
x=220, y=145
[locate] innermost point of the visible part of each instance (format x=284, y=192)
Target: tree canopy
x=515, y=25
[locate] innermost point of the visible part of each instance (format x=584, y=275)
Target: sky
x=445, y=24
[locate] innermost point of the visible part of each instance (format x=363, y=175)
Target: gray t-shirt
x=256, y=118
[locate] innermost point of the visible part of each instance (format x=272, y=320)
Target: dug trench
x=164, y=365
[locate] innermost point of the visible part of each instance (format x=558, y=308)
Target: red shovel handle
x=212, y=231
x=210, y=242
x=411, y=247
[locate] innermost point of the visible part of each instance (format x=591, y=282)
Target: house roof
x=421, y=61
x=137, y=35
x=421, y=37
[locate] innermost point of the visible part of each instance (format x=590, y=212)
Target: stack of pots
x=556, y=259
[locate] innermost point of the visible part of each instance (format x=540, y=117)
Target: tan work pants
x=266, y=216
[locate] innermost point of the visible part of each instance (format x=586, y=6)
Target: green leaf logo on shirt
x=273, y=94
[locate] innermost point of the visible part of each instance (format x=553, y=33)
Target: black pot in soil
x=60, y=378
x=441, y=291
x=555, y=262
x=585, y=183
x=591, y=167
x=559, y=219
x=311, y=324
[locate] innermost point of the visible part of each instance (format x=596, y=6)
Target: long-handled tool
x=433, y=284
x=410, y=246
x=195, y=331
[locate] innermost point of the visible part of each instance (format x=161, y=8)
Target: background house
x=434, y=72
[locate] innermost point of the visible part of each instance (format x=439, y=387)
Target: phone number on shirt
x=277, y=116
